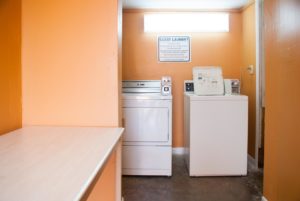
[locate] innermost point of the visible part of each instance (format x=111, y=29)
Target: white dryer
x=147, y=118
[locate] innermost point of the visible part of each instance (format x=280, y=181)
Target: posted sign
x=174, y=49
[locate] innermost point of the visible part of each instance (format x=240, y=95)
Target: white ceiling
x=185, y=4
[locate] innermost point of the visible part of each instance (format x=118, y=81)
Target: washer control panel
x=188, y=86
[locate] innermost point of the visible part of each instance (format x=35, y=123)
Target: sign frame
x=174, y=49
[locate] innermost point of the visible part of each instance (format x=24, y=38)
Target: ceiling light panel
x=186, y=22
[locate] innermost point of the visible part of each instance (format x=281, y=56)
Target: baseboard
x=251, y=162
x=178, y=151
x=263, y=198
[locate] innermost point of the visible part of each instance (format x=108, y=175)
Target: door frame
x=260, y=77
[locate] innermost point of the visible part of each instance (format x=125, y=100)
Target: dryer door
x=146, y=124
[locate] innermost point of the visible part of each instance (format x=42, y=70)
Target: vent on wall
x=186, y=22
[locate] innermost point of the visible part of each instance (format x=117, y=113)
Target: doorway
x=260, y=87
x=252, y=79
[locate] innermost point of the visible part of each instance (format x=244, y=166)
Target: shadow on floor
x=181, y=187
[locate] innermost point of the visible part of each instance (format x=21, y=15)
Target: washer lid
x=194, y=97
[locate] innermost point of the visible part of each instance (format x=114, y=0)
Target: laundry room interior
x=149, y=100
x=233, y=51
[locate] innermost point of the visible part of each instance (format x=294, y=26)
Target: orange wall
x=248, y=81
x=10, y=65
x=70, y=62
x=105, y=187
x=140, y=59
x=120, y=58
x=282, y=134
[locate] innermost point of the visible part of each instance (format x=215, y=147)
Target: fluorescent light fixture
x=186, y=22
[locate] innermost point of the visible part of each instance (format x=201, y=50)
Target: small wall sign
x=174, y=49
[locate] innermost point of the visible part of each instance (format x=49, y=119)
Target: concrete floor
x=180, y=187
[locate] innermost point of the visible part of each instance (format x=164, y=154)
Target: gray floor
x=180, y=187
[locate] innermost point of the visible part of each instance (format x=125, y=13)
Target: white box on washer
x=208, y=81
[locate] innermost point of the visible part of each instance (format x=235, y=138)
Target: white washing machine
x=147, y=118
x=215, y=134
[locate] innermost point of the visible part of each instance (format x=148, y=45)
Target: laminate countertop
x=53, y=163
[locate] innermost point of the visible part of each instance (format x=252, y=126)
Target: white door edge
x=259, y=75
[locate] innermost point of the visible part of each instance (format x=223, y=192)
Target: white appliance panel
x=147, y=160
x=216, y=135
x=146, y=124
x=146, y=103
x=220, y=134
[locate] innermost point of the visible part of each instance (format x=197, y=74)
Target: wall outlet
x=250, y=69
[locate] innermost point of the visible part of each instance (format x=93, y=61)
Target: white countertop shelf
x=53, y=163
